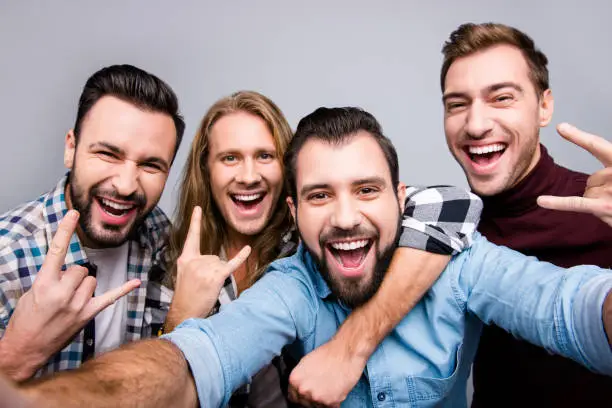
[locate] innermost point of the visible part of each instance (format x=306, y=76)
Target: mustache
x=138, y=199
x=340, y=234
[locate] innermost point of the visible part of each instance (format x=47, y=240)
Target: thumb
x=575, y=204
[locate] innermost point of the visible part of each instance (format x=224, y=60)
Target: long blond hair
x=195, y=186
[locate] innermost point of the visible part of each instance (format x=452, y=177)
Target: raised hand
x=597, y=197
x=57, y=307
x=199, y=277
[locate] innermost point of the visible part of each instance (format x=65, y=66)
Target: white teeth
x=117, y=206
x=247, y=197
x=496, y=147
x=348, y=246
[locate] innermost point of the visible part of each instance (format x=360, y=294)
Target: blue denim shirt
x=425, y=361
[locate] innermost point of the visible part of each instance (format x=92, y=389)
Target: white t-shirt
x=111, y=323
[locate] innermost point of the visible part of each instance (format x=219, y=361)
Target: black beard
x=354, y=294
x=82, y=202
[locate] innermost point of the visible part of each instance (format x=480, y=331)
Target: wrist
x=19, y=365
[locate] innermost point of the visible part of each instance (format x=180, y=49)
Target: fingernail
x=73, y=214
x=565, y=127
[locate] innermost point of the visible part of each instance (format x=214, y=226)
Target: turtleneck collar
x=522, y=197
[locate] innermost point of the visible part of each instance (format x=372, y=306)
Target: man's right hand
x=58, y=306
x=199, y=278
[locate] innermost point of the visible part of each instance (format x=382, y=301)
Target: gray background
x=384, y=57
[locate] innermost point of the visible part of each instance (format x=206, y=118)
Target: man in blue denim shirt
x=346, y=199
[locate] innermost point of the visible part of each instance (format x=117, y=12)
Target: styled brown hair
x=134, y=85
x=470, y=38
x=195, y=186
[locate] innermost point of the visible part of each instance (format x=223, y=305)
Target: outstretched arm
x=151, y=373
x=438, y=222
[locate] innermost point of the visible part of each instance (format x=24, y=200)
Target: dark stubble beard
x=355, y=293
x=82, y=201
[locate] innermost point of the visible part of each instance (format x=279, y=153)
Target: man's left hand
x=597, y=197
x=324, y=377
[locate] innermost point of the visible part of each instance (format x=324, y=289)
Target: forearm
x=411, y=273
x=173, y=319
x=17, y=364
x=151, y=373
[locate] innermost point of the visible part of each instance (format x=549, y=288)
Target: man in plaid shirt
x=126, y=135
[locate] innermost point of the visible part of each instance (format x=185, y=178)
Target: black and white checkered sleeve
x=440, y=219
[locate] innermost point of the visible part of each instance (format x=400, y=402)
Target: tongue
x=484, y=159
x=352, y=258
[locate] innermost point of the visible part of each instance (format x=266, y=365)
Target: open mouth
x=485, y=155
x=350, y=254
x=247, y=201
x=114, y=208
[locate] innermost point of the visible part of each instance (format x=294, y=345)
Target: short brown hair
x=470, y=38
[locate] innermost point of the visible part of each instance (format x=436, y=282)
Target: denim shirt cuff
x=588, y=320
x=201, y=356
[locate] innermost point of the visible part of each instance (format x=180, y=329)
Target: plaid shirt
x=25, y=235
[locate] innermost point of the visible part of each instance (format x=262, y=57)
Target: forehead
x=319, y=162
x=240, y=131
x=497, y=64
x=137, y=132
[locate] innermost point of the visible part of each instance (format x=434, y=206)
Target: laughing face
x=493, y=116
x=245, y=172
x=118, y=169
x=347, y=213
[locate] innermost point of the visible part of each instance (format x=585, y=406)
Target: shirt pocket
x=433, y=392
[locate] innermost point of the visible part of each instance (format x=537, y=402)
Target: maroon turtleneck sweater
x=512, y=373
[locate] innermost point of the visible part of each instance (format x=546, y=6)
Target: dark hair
x=336, y=126
x=133, y=85
x=470, y=38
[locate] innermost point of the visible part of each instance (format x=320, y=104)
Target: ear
x=547, y=106
x=69, y=149
x=401, y=195
x=291, y=205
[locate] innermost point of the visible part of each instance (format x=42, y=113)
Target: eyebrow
x=369, y=180
x=120, y=152
x=487, y=90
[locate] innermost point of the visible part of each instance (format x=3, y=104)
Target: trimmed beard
x=354, y=294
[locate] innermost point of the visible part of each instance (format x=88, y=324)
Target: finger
x=599, y=192
x=192, y=242
x=84, y=292
x=576, y=204
x=73, y=277
x=600, y=177
x=239, y=259
x=597, y=146
x=54, y=260
x=99, y=303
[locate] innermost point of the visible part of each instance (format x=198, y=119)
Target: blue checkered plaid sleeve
x=440, y=219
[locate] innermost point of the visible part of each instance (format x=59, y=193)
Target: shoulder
x=22, y=222
x=157, y=227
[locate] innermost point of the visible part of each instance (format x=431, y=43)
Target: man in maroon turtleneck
x=496, y=98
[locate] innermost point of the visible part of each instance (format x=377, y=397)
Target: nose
x=125, y=181
x=346, y=214
x=478, y=123
x=248, y=172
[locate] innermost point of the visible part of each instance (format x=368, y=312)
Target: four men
x=346, y=238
